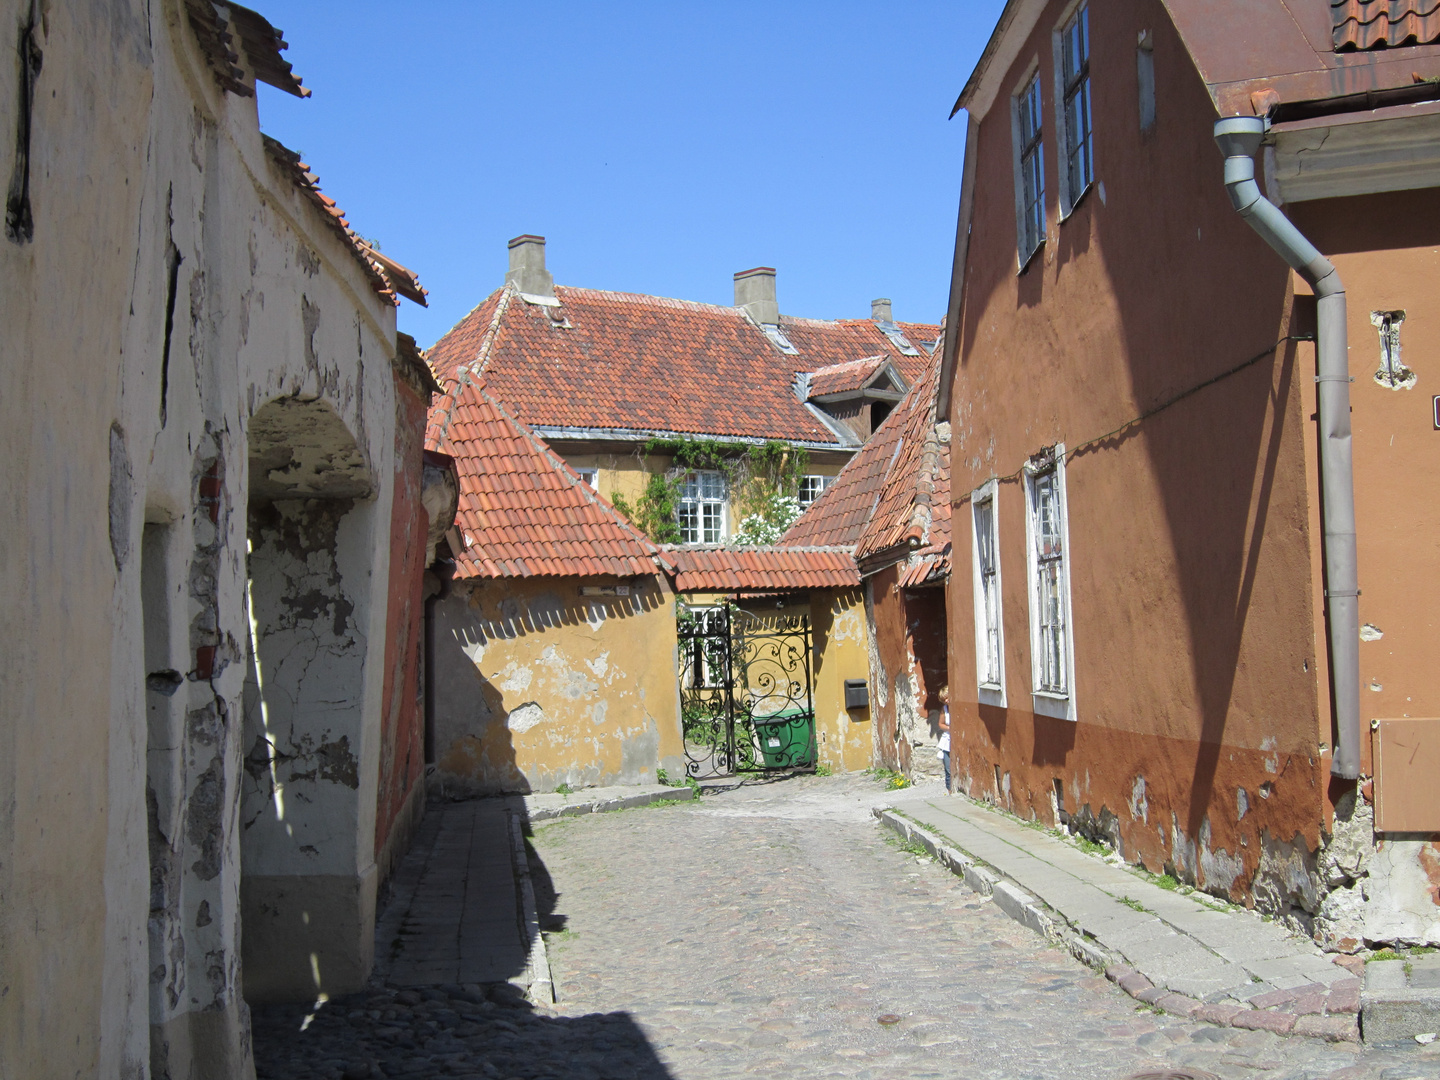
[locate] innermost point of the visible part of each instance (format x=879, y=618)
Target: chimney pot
x=880, y=310
x=527, y=267
x=755, y=292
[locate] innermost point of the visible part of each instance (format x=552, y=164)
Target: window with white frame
x=701, y=513
x=812, y=486
x=590, y=476
x=1029, y=169
x=989, y=627
x=1051, y=645
x=1072, y=76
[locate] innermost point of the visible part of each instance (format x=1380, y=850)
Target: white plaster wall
x=137, y=156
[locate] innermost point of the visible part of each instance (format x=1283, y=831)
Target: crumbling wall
x=538, y=684
x=841, y=648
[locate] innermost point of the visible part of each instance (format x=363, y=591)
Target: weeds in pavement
x=892, y=780
x=564, y=789
x=907, y=844
x=1383, y=954
x=1135, y=905
x=1166, y=882
x=688, y=781
x=823, y=768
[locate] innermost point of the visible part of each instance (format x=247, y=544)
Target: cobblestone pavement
x=774, y=931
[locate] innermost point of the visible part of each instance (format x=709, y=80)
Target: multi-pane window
x=987, y=594
x=701, y=514
x=1075, y=101
x=812, y=486
x=590, y=476
x=1047, y=534
x=1030, y=192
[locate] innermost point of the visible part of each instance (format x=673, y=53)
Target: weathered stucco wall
x=842, y=651
x=907, y=632
x=538, y=685
x=180, y=283
x=1387, y=249
x=1196, y=655
x=400, y=798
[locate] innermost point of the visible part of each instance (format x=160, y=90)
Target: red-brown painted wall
x=1190, y=548
x=400, y=797
x=908, y=629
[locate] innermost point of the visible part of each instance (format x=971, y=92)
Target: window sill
x=1028, y=259
x=1055, y=706
x=992, y=695
x=1065, y=214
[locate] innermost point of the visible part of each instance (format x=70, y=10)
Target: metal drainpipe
x=1239, y=138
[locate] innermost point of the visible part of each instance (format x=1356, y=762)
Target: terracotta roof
x=220, y=28
x=892, y=500
x=523, y=511
x=1381, y=24
x=839, y=515
x=624, y=362
x=850, y=376
x=913, y=511
x=762, y=569
x=387, y=277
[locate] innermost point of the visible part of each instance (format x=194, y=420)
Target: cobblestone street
x=775, y=931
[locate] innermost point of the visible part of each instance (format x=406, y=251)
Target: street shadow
x=476, y=928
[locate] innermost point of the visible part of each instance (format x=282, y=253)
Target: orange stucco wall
x=1197, y=667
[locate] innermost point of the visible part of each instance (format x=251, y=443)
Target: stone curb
x=1342, y=1026
x=540, y=986
x=599, y=804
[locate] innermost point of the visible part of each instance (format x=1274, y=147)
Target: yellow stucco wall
x=537, y=684
x=626, y=473
x=837, y=617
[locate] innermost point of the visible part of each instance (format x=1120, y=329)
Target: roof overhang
x=551, y=433
x=1387, y=149
x=1006, y=40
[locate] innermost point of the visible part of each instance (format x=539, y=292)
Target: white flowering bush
x=766, y=527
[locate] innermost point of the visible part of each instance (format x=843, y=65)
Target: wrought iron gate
x=745, y=691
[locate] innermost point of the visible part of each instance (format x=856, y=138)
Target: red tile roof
x=625, y=362
x=1381, y=24
x=892, y=500
x=523, y=511
x=842, y=378
x=387, y=277
x=762, y=569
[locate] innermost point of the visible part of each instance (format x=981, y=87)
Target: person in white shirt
x=944, y=696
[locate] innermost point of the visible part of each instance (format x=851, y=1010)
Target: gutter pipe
x=1239, y=138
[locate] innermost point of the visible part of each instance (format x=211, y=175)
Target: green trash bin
x=786, y=739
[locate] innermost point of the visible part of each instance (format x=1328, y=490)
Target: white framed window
x=1047, y=541
x=1028, y=134
x=812, y=486
x=701, y=514
x=591, y=477
x=989, y=615
x=1071, y=50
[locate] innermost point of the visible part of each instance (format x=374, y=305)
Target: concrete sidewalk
x=1175, y=951
x=462, y=908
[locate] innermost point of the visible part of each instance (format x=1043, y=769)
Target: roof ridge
x=493, y=330
x=666, y=301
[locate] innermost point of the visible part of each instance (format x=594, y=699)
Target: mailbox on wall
x=857, y=694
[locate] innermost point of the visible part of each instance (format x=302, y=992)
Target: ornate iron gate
x=745, y=691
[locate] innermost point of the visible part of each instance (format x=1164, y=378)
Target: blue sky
x=659, y=147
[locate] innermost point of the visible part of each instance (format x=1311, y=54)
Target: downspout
x=1239, y=138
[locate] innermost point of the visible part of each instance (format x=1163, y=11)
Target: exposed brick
x=1272, y=998
x=204, y=662
x=1219, y=1014
x=1345, y=999
x=1116, y=972
x=1133, y=983
x=1258, y=1020
x=1178, y=1004
x=1333, y=1028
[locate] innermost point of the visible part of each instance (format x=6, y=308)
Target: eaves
x=636, y=435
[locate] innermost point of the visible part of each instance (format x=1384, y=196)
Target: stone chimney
x=527, y=267
x=880, y=310
x=755, y=292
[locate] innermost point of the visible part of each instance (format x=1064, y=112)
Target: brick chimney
x=880, y=310
x=755, y=292
x=527, y=267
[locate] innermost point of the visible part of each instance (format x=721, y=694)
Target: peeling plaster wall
x=179, y=283
x=842, y=651
x=1198, y=741
x=902, y=684
x=537, y=685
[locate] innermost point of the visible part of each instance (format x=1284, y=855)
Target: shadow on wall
x=453, y=1001
x=549, y=611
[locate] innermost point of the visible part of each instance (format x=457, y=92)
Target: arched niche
x=307, y=886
